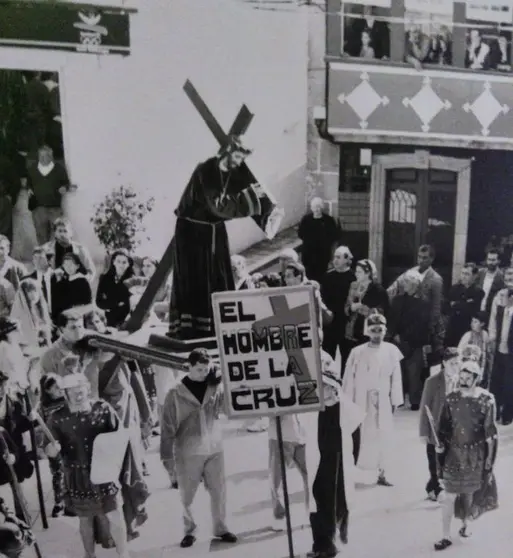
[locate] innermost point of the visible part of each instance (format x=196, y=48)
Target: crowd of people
x=368, y=37
x=414, y=344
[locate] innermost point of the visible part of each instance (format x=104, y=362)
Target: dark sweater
x=46, y=188
x=329, y=434
x=334, y=290
x=114, y=298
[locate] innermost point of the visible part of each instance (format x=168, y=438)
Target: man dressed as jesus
x=219, y=190
x=372, y=379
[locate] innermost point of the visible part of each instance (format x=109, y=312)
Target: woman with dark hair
x=113, y=297
x=365, y=294
x=462, y=303
x=70, y=286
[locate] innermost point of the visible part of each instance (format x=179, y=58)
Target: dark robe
x=319, y=237
x=202, y=263
x=461, y=305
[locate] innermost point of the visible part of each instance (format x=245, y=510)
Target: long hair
x=112, y=270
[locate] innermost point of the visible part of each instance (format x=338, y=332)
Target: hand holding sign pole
x=269, y=353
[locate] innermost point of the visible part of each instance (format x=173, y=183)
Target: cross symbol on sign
x=283, y=315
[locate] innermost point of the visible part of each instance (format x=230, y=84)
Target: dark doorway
x=420, y=208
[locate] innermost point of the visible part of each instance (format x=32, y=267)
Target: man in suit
x=433, y=397
x=490, y=280
x=431, y=287
x=42, y=273
x=501, y=339
x=63, y=243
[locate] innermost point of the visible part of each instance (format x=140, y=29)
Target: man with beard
x=219, y=190
x=490, y=280
x=467, y=448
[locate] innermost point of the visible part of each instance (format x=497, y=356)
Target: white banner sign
x=490, y=10
x=430, y=7
x=269, y=351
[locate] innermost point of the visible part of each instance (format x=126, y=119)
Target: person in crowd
x=467, y=436
x=477, y=56
x=191, y=442
x=378, y=32
x=478, y=336
x=37, y=111
x=372, y=380
x=14, y=423
x=501, y=339
x=286, y=257
x=113, y=296
x=490, y=280
x=435, y=392
x=409, y=329
x=30, y=311
x=500, y=54
x=52, y=399
x=241, y=276
x=23, y=377
x=70, y=325
x=15, y=534
x=123, y=388
x=432, y=285
x=70, y=285
x=48, y=181
x=367, y=51
x=319, y=233
x=63, y=244
x=335, y=287
x=75, y=428
x=365, y=294
x=163, y=296
x=7, y=294
x=333, y=486
x=294, y=451
x=462, y=302
x=42, y=275
x=54, y=126
x=220, y=189
x=10, y=186
x=417, y=46
x=10, y=269
x=440, y=48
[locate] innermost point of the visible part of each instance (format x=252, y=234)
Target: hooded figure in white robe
x=373, y=381
x=329, y=453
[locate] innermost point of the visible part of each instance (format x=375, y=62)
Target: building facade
x=126, y=119
x=412, y=137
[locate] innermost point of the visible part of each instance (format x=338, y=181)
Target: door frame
x=421, y=160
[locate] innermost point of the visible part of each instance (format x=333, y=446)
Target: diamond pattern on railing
x=364, y=100
x=486, y=108
x=426, y=104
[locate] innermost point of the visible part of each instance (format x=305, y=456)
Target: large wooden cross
x=131, y=347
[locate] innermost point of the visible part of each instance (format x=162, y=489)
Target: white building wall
x=127, y=120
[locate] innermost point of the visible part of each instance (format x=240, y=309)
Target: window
x=366, y=31
x=428, y=32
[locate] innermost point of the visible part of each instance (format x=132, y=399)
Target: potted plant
x=118, y=221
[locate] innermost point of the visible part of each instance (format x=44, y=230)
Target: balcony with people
x=412, y=63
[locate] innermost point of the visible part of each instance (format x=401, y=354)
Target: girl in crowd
x=70, y=286
x=113, y=296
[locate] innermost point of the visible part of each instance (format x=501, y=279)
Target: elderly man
x=320, y=234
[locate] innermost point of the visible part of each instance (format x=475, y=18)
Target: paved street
x=387, y=522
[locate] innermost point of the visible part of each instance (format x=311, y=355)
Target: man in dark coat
x=219, y=190
x=319, y=233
